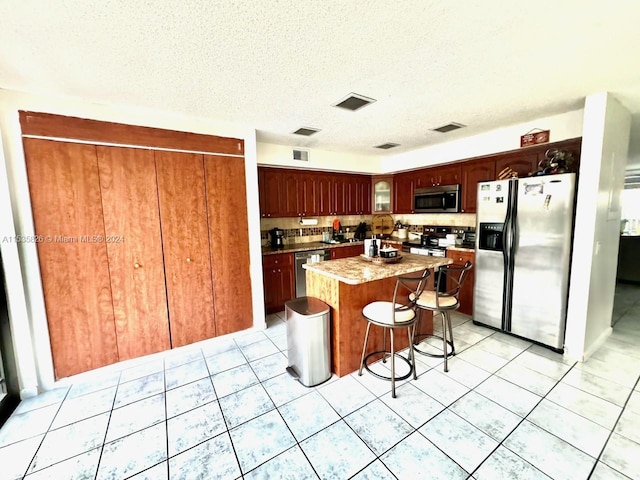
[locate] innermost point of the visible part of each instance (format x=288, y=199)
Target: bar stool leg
x=393, y=366
x=453, y=347
x=364, y=348
x=412, y=354
x=384, y=345
x=444, y=341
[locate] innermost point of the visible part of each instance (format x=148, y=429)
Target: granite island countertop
x=355, y=270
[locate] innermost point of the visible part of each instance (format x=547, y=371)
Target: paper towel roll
x=308, y=221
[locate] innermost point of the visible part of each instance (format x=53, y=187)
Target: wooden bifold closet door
x=185, y=238
x=134, y=247
x=67, y=210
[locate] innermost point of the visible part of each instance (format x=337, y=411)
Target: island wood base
x=348, y=326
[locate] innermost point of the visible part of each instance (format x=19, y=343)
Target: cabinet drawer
x=459, y=257
x=277, y=260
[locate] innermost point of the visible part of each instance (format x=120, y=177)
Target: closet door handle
x=188, y=259
x=136, y=265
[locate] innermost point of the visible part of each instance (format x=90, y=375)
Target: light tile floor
x=225, y=408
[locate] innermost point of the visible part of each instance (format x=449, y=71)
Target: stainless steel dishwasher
x=301, y=274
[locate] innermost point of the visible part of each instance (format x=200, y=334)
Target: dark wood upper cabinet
x=403, y=187
x=269, y=181
x=289, y=200
x=472, y=173
x=324, y=191
x=432, y=177
x=523, y=163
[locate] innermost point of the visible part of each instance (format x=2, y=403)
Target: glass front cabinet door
x=382, y=194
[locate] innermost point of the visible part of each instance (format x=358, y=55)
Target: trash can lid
x=307, y=306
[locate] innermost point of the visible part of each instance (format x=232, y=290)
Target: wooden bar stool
x=399, y=313
x=441, y=303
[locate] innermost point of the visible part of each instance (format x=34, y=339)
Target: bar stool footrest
x=384, y=377
x=419, y=337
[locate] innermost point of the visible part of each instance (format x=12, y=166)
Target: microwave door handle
x=444, y=203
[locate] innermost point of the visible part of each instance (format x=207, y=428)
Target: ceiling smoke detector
x=353, y=102
x=448, y=127
x=387, y=146
x=306, y=131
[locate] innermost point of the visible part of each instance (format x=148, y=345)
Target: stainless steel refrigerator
x=523, y=254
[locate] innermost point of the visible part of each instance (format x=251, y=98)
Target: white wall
x=281, y=155
x=26, y=302
x=605, y=142
x=562, y=127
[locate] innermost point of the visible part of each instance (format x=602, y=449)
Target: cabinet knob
x=188, y=259
x=136, y=265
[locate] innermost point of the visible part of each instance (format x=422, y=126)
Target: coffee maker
x=276, y=236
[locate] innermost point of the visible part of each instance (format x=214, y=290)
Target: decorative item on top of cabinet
x=466, y=291
x=382, y=194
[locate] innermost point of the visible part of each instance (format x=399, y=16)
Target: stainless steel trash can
x=308, y=341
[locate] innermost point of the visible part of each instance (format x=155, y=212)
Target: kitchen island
x=347, y=285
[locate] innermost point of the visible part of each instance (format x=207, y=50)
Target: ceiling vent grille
x=306, y=131
x=387, y=146
x=354, y=102
x=448, y=128
x=301, y=155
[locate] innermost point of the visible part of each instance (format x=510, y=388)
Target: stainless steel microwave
x=441, y=199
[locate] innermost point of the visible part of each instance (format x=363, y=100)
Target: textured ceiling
x=279, y=65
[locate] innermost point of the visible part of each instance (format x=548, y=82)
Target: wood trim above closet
x=73, y=128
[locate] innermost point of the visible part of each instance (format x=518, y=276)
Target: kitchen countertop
x=303, y=247
x=355, y=270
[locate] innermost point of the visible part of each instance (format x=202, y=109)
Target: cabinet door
x=339, y=195
x=67, y=211
x=308, y=197
x=324, y=187
x=449, y=175
x=382, y=194
x=185, y=239
x=134, y=248
x=365, y=195
x=226, y=210
x=269, y=187
x=403, y=186
x=472, y=173
x=289, y=206
x=466, y=292
x=523, y=164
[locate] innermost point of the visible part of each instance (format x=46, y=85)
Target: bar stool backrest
x=456, y=275
x=407, y=291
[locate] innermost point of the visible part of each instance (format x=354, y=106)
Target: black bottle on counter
x=373, y=248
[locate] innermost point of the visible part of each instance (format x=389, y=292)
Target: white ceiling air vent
x=448, y=127
x=353, y=102
x=301, y=155
x=387, y=146
x=306, y=131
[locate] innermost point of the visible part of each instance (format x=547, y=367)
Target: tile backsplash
x=296, y=233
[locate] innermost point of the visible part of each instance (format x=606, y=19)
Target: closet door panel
x=185, y=240
x=227, y=210
x=65, y=195
x=134, y=247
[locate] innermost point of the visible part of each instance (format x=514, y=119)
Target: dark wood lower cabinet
x=346, y=251
x=279, y=281
x=466, y=292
